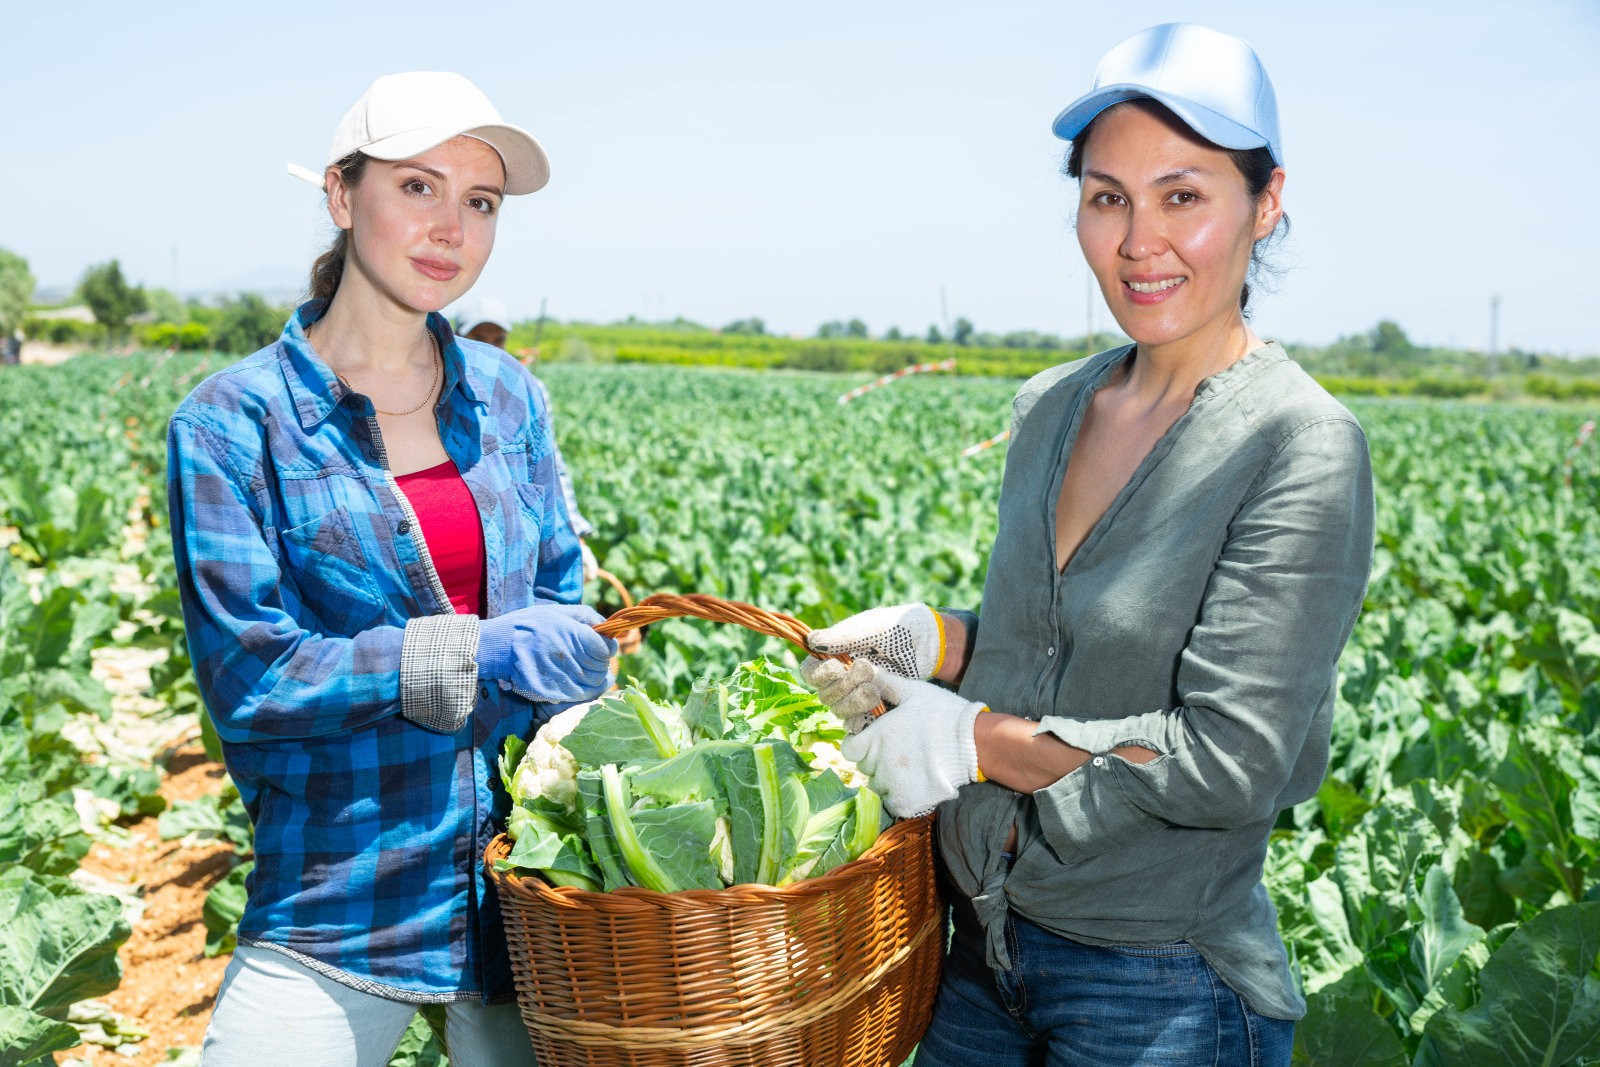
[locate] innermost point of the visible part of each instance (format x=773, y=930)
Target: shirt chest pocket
x=326, y=564
x=516, y=478
x=516, y=522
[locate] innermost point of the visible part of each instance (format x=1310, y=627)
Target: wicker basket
x=836, y=970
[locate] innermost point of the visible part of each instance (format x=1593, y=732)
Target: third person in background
x=485, y=319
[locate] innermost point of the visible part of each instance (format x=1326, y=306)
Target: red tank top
x=449, y=519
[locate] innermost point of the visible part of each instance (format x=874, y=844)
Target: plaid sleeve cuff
x=439, y=671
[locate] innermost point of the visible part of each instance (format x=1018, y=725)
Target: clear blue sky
x=827, y=160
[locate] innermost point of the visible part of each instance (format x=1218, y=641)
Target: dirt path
x=167, y=982
x=45, y=352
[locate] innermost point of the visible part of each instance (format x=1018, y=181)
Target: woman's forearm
x=1011, y=754
x=1009, y=751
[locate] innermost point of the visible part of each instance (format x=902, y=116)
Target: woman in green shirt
x=1184, y=540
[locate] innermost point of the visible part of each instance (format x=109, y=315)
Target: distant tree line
x=156, y=318
x=1385, y=350
x=962, y=334
x=16, y=290
x=128, y=313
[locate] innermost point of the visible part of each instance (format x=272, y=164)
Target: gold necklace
x=438, y=372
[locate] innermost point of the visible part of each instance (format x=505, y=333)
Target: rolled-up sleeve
x=439, y=671
x=263, y=676
x=1278, y=608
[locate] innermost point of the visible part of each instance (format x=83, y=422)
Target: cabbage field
x=1440, y=896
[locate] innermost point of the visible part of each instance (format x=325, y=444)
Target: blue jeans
x=1066, y=1003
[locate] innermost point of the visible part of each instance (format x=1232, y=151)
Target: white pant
x=272, y=1010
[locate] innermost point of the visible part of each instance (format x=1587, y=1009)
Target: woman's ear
x=338, y=198
x=1269, y=205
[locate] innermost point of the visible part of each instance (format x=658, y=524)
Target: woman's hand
x=848, y=690
x=908, y=639
x=923, y=750
x=547, y=652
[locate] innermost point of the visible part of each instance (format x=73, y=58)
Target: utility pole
x=538, y=327
x=1494, y=329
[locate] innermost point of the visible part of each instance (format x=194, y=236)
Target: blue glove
x=548, y=652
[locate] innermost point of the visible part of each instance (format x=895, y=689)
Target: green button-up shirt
x=1202, y=617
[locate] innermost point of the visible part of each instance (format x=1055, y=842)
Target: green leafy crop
x=728, y=788
x=1465, y=758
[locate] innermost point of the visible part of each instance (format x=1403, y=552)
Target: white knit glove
x=907, y=639
x=920, y=752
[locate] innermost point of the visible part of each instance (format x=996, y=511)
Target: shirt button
x=1050, y=651
x=1099, y=761
x=404, y=527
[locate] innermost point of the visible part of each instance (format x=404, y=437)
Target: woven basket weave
x=837, y=970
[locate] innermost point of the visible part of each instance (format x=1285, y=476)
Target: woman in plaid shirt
x=380, y=582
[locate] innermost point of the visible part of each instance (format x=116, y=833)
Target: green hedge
x=629, y=344
x=689, y=346
x=1445, y=388
x=189, y=337
x=62, y=331
x=1561, y=388
x=700, y=347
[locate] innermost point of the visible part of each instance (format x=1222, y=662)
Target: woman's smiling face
x=421, y=229
x=1167, y=223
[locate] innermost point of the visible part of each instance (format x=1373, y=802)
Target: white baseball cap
x=481, y=310
x=401, y=115
x=1212, y=81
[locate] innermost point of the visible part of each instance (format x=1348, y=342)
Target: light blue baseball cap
x=1214, y=82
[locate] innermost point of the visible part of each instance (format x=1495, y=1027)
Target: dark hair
x=1255, y=165
x=329, y=267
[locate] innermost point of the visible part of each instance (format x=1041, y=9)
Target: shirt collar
x=316, y=391
x=1236, y=374
x=459, y=372
x=1228, y=379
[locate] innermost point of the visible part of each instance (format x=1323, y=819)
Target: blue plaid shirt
x=341, y=681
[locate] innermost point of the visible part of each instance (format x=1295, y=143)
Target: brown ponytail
x=329, y=267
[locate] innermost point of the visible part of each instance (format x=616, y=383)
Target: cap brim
x=468, y=325
x=527, y=167
x=306, y=174
x=1215, y=128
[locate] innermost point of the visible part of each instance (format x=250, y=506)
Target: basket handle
x=615, y=583
x=660, y=606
